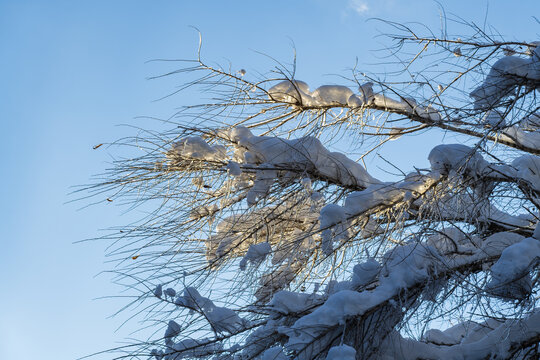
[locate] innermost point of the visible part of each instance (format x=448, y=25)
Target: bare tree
x=264, y=242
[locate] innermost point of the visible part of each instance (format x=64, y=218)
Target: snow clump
x=158, y=291
x=222, y=319
x=452, y=158
x=328, y=95
x=365, y=272
x=306, y=153
x=170, y=292
x=288, y=302
x=255, y=254
x=195, y=147
x=505, y=74
x=291, y=91
x=233, y=168
x=528, y=169
x=342, y=352
x=274, y=353
x=510, y=276
x=333, y=222
x=173, y=329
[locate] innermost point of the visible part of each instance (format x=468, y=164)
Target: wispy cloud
x=360, y=6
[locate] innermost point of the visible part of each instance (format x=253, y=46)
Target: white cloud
x=360, y=6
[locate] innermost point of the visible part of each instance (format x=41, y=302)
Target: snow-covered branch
x=266, y=239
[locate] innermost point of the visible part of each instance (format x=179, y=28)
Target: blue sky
x=71, y=71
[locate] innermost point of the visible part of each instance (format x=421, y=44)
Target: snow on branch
x=492, y=339
x=304, y=253
x=405, y=270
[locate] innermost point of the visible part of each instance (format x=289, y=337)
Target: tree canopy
x=268, y=238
